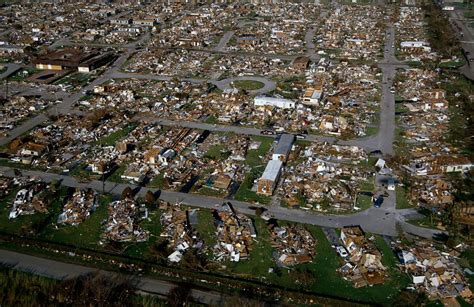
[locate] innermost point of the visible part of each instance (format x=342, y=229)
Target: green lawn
x=364, y=202
x=255, y=160
x=217, y=152
x=452, y=64
x=244, y=193
x=153, y=225
x=75, y=79
x=254, y=156
x=26, y=223
x=426, y=222
x=402, y=199
x=207, y=229
x=212, y=192
x=87, y=234
x=112, y=138
x=22, y=74
x=115, y=177
x=158, y=181
x=327, y=280
x=211, y=120
x=248, y=85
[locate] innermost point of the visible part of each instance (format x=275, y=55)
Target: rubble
x=363, y=267
x=122, y=223
x=235, y=233
x=179, y=231
x=29, y=200
x=79, y=207
x=434, y=272
x=293, y=244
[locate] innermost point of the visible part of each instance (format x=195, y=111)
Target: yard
x=402, y=200
x=248, y=85
x=112, y=138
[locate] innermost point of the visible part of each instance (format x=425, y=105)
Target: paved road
x=467, y=39
x=380, y=221
x=61, y=270
x=224, y=128
x=384, y=138
x=268, y=85
x=224, y=41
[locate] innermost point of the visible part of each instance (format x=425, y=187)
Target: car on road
x=267, y=132
x=300, y=136
x=378, y=201
x=342, y=251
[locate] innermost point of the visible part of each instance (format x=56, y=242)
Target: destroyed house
x=353, y=237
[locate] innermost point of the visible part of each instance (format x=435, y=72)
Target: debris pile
x=79, y=207
x=235, y=233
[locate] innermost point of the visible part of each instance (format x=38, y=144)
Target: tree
x=127, y=193
x=150, y=198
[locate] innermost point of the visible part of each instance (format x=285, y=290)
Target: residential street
x=377, y=220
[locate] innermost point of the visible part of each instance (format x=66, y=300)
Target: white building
x=415, y=45
x=282, y=103
x=312, y=96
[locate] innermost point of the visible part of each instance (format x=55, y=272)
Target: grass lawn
x=254, y=159
x=81, y=172
x=372, y=130
x=36, y=221
x=255, y=156
x=75, y=79
x=112, y=138
x=158, y=182
x=452, y=64
x=153, y=225
x=402, y=199
x=245, y=193
x=10, y=163
x=212, y=192
x=248, y=85
x=207, y=229
x=22, y=74
x=87, y=234
x=323, y=268
x=115, y=177
x=364, y=202
x=217, y=152
x=211, y=120
x=260, y=258
x=426, y=222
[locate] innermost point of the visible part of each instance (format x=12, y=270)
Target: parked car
x=378, y=202
x=342, y=251
x=300, y=136
x=267, y=132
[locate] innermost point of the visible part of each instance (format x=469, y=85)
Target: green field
x=402, y=199
x=111, y=139
x=248, y=85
